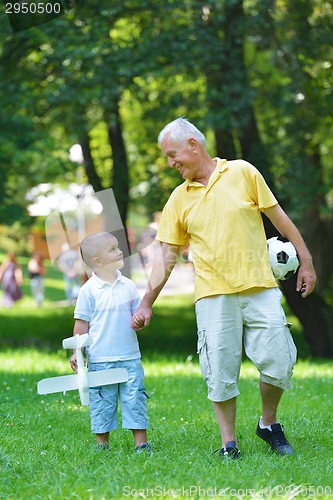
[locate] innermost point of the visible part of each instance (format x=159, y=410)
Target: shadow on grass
x=41, y=328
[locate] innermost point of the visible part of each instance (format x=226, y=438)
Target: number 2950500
x=33, y=8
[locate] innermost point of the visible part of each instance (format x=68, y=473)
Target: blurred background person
x=11, y=278
x=148, y=244
x=36, y=271
x=70, y=264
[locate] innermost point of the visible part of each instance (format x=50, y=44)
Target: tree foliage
x=255, y=76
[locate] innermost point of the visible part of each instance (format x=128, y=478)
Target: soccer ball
x=283, y=257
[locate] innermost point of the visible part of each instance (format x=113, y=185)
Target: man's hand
x=306, y=279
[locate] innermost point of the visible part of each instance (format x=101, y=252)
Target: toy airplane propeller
x=82, y=380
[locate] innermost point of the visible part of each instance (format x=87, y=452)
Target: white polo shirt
x=108, y=308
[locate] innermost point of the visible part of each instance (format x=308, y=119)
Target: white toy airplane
x=82, y=380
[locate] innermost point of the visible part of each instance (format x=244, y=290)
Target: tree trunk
x=314, y=314
x=224, y=141
x=89, y=166
x=315, y=317
x=240, y=94
x=120, y=178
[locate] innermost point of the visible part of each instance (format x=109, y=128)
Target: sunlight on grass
x=34, y=361
x=60, y=460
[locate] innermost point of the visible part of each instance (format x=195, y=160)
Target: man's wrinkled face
x=180, y=155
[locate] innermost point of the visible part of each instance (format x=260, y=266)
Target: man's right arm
x=164, y=262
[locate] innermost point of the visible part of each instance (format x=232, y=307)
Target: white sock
x=262, y=426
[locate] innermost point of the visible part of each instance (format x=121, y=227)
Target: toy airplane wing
x=70, y=382
x=58, y=384
x=107, y=377
x=81, y=380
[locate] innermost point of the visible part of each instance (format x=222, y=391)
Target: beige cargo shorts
x=255, y=319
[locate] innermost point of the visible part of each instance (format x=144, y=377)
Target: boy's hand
x=138, y=321
x=73, y=362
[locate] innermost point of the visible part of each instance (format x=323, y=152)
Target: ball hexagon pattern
x=283, y=257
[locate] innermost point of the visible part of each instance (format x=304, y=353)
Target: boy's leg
x=140, y=436
x=103, y=439
x=133, y=400
x=103, y=407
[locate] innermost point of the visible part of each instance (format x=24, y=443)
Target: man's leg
x=268, y=427
x=225, y=412
x=270, y=396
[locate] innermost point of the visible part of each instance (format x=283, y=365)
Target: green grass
x=47, y=450
x=172, y=330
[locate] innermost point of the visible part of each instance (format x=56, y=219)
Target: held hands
x=141, y=318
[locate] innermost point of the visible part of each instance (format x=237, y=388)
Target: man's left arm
x=306, y=277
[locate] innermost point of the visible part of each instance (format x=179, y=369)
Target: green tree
x=254, y=75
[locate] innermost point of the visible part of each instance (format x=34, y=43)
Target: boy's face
x=110, y=254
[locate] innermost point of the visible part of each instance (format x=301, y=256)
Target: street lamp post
x=76, y=156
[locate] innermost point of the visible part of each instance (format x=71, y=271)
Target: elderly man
x=217, y=210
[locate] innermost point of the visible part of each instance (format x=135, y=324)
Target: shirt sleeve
x=135, y=298
x=259, y=191
x=84, y=306
x=170, y=229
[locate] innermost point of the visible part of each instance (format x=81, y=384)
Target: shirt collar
x=221, y=165
x=101, y=283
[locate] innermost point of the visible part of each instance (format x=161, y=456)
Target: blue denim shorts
x=131, y=395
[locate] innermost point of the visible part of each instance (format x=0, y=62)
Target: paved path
x=180, y=282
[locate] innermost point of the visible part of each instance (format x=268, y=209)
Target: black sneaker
x=229, y=451
x=276, y=438
x=143, y=447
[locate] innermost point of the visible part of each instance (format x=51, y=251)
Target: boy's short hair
x=90, y=246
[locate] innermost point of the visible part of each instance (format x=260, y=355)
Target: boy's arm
x=306, y=276
x=80, y=327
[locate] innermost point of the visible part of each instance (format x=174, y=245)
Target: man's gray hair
x=180, y=129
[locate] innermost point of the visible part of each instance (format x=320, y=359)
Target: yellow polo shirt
x=223, y=224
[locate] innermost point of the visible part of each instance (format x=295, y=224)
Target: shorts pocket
x=142, y=391
x=291, y=347
x=203, y=354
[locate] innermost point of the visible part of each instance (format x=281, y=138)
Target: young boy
x=104, y=309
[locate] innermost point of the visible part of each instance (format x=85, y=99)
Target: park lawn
x=47, y=450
